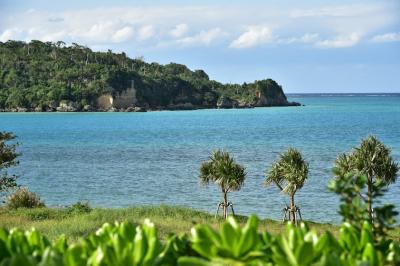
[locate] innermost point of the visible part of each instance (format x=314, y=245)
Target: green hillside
x=38, y=76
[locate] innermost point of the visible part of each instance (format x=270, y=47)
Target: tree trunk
x=293, y=209
x=370, y=199
x=225, y=204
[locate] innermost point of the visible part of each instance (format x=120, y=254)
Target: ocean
x=128, y=159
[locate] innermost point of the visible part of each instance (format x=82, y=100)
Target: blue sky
x=317, y=46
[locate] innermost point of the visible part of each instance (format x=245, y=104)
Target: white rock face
x=123, y=100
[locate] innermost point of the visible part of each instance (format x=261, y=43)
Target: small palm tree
x=372, y=159
x=222, y=170
x=289, y=174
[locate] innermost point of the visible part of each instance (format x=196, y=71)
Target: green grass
x=53, y=222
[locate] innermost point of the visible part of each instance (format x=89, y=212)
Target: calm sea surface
x=125, y=159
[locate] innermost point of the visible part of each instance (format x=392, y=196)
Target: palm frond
x=371, y=158
x=289, y=172
x=222, y=170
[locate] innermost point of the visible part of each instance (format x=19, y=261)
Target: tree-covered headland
x=47, y=76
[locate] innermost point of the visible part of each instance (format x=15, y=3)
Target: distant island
x=46, y=77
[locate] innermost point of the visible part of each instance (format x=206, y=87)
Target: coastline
x=140, y=109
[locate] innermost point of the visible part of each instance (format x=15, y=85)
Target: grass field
x=53, y=222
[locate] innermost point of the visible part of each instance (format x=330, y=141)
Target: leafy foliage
x=8, y=158
x=352, y=209
x=354, y=206
x=289, y=174
x=123, y=244
x=23, y=198
x=372, y=158
x=39, y=75
x=223, y=171
x=79, y=207
x=362, y=178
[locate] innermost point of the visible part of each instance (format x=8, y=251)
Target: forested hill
x=45, y=76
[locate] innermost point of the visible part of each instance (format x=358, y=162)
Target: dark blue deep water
x=125, y=159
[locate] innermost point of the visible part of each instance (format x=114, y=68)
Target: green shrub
x=79, y=207
x=354, y=207
x=125, y=244
x=23, y=198
x=362, y=178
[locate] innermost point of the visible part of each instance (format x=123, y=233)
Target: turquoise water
x=124, y=159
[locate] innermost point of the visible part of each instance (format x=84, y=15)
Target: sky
x=306, y=46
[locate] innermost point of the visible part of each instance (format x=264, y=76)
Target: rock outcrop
x=121, y=101
x=226, y=103
x=269, y=93
x=66, y=106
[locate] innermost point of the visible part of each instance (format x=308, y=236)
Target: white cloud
x=306, y=38
x=204, y=37
x=101, y=31
x=153, y=25
x=8, y=35
x=54, y=36
x=123, y=34
x=146, y=32
x=339, y=23
x=179, y=30
x=32, y=33
x=387, y=37
x=309, y=38
x=253, y=36
x=340, y=41
x=351, y=10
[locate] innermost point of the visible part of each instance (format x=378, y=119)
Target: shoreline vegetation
x=241, y=241
x=75, y=223
x=130, y=110
x=53, y=222
x=53, y=77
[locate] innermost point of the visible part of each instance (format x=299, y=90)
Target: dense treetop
x=39, y=75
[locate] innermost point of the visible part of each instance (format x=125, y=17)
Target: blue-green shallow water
x=123, y=159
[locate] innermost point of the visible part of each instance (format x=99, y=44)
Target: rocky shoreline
x=138, y=109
